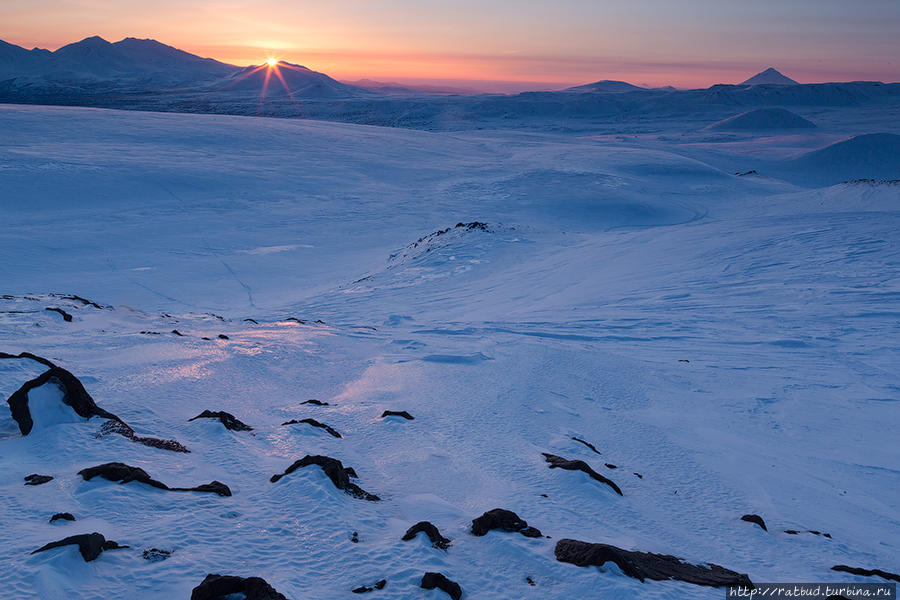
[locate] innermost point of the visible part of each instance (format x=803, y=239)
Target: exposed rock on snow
x=431, y=581
x=66, y=316
x=227, y=419
x=755, y=519
x=62, y=516
x=397, y=413
x=73, y=395
x=646, y=565
x=763, y=119
x=364, y=588
x=34, y=357
x=219, y=587
x=84, y=301
x=426, y=527
x=156, y=555
x=314, y=423
x=35, y=479
x=89, y=544
x=867, y=572
x=116, y=471
x=335, y=471
x=315, y=402
x=588, y=444
x=118, y=427
x=558, y=462
x=504, y=520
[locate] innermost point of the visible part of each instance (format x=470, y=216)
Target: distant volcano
x=769, y=77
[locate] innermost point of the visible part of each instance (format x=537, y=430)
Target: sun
x=272, y=62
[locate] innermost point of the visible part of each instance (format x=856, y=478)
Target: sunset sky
x=503, y=44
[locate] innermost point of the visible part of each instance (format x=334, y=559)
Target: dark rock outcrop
x=314, y=423
x=222, y=336
x=335, y=471
x=426, y=527
x=62, y=516
x=74, y=395
x=315, y=402
x=755, y=519
x=431, y=581
x=83, y=301
x=558, y=462
x=364, y=588
x=66, y=316
x=218, y=587
x=646, y=565
x=178, y=333
x=35, y=479
x=118, y=427
x=867, y=572
x=227, y=419
x=504, y=520
x=588, y=444
x=31, y=356
x=89, y=544
x=156, y=555
x=398, y=413
x=116, y=471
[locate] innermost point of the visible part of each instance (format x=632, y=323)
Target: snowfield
x=728, y=344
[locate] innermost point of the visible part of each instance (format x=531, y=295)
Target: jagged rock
x=74, y=395
x=118, y=427
x=755, y=519
x=588, y=444
x=156, y=555
x=227, y=419
x=66, y=316
x=558, y=462
x=62, y=516
x=178, y=333
x=504, y=520
x=866, y=572
x=219, y=587
x=35, y=479
x=116, y=471
x=646, y=565
x=437, y=540
x=377, y=586
x=315, y=402
x=396, y=413
x=314, y=423
x=335, y=471
x=431, y=581
x=89, y=544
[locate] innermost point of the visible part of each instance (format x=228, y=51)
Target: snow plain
x=733, y=339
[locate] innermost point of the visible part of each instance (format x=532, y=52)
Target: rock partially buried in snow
x=334, y=469
x=118, y=427
x=35, y=479
x=315, y=402
x=89, y=544
x=646, y=565
x=71, y=394
x=62, y=517
x=156, y=555
x=397, y=413
x=116, y=471
x=364, y=588
x=431, y=581
x=429, y=529
x=227, y=419
x=504, y=520
x=314, y=423
x=558, y=462
x=221, y=587
x=755, y=519
x=867, y=572
x=66, y=316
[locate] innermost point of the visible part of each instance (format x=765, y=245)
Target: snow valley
x=601, y=342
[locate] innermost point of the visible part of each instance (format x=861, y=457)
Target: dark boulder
x=156, y=555
x=314, y=423
x=558, y=462
x=437, y=540
x=867, y=572
x=74, y=395
x=398, y=413
x=431, y=581
x=335, y=471
x=31, y=356
x=646, y=565
x=63, y=517
x=89, y=544
x=315, y=402
x=116, y=471
x=118, y=427
x=227, y=419
x=35, y=479
x=222, y=336
x=364, y=588
x=504, y=520
x=755, y=519
x=83, y=301
x=219, y=587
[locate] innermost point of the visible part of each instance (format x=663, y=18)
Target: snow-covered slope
x=770, y=76
x=763, y=119
x=727, y=345
x=606, y=86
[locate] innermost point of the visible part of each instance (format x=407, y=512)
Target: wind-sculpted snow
x=763, y=119
x=727, y=343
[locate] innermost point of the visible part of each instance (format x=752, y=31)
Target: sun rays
x=271, y=66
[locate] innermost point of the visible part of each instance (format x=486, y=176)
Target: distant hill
x=408, y=89
x=299, y=80
x=769, y=77
x=606, y=85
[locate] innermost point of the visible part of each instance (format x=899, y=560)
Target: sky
x=499, y=45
